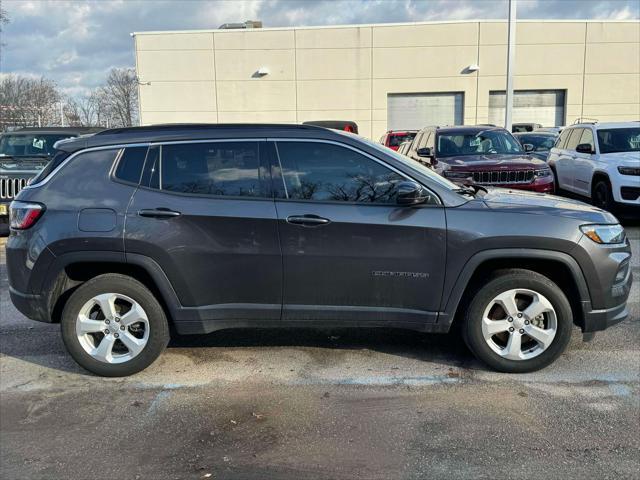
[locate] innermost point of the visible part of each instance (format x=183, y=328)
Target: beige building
x=391, y=76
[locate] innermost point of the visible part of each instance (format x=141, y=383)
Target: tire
x=601, y=196
x=556, y=184
x=147, y=337
x=494, y=351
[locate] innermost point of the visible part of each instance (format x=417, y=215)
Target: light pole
x=511, y=54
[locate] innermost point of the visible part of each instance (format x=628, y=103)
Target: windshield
x=539, y=142
x=396, y=139
x=619, y=140
x=413, y=165
x=475, y=143
x=29, y=144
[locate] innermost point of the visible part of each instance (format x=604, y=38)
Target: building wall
x=345, y=73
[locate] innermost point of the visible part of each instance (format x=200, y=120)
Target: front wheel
x=113, y=326
x=601, y=196
x=519, y=321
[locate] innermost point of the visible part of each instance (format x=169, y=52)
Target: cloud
x=76, y=42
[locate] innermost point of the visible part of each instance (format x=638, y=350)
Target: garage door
x=536, y=106
x=413, y=111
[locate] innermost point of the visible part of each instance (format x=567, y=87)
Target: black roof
x=193, y=131
x=63, y=130
x=543, y=133
x=468, y=129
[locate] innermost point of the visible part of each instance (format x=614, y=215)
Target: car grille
x=503, y=176
x=10, y=187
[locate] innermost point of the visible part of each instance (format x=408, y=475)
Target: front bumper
x=598, y=320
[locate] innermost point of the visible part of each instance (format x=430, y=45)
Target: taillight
x=23, y=215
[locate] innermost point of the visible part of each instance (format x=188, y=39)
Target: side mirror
x=528, y=147
x=424, y=152
x=411, y=193
x=584, y=148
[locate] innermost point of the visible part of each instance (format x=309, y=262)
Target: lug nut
x=106, y=332
x=521, y=331
x=526, y=322
x=511, y=329
x=519, y=315
x=107, y=321
x=510, y=319
x=121, y=327
x=116, y=335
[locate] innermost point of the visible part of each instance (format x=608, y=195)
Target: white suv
x=600, y=161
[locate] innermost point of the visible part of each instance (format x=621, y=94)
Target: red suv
x=394, y=138
x=481, y=155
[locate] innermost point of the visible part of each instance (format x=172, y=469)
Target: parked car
x=524, y=127
x=537, y=143
x=482, y=156
x=600, y=161
x=403, y=149
x=394, y=138
x=345, y=125
x=292, y=225
x=23, y=153
x=554, y=130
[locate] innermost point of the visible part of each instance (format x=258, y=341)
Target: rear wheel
x=113, y=326
x=520, y=321
x=601, y=195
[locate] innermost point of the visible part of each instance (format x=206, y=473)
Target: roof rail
x=585, y=120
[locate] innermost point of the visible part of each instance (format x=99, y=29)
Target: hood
x=627, y=159
x=9, y=165
x=493, y=161
x=520, y=201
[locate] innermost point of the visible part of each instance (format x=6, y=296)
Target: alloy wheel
x=519, y=324
x=112, y=328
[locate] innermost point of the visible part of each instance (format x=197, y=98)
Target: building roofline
x=379, y=25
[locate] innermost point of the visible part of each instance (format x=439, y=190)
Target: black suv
x=210, y=227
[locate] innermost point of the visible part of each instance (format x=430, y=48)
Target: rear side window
x=130, y=164
x=331, y=173
x=216, y=168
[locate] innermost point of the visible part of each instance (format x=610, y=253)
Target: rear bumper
x=30, y=305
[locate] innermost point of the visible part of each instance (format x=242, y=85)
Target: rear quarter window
x=130, y=165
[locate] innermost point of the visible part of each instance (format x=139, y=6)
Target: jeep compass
x=206, y=227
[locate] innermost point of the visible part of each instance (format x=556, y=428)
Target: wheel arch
x=69, y=271
x=559, y=267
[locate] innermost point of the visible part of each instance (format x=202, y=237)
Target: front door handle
x=308, y=220
x=158, y=213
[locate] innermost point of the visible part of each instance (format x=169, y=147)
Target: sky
x=76, y=42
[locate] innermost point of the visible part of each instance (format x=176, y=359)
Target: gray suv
x=204, y=227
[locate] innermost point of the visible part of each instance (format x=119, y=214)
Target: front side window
x=473, y=143
x=327, y=172
x=216, y=168
x=587, y=137
x=613, y=140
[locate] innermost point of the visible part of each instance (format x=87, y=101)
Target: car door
x=350, y=254
x=565, y=165
x=205, y=214
x=584, y=165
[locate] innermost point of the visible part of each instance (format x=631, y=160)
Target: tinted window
x=574, y=139
x=541, y=143
x=326, y=172
x=216, y=168
x=474, y=143
x=30, y=144
x=587, y=137
x=397, y=139
x=130, y=164
x=619, y=140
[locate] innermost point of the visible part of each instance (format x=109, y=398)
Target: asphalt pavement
x=307, y=404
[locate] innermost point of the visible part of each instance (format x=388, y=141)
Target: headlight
x=629, y=170
x=457, y=174
x=604, y=234
x=543, y=172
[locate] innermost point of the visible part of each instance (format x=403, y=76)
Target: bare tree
x=28, y=101
x=120, y=97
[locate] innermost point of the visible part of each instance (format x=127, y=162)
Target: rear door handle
x=308, y=220
x=158, y=213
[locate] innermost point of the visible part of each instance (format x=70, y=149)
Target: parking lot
x=319, y=404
